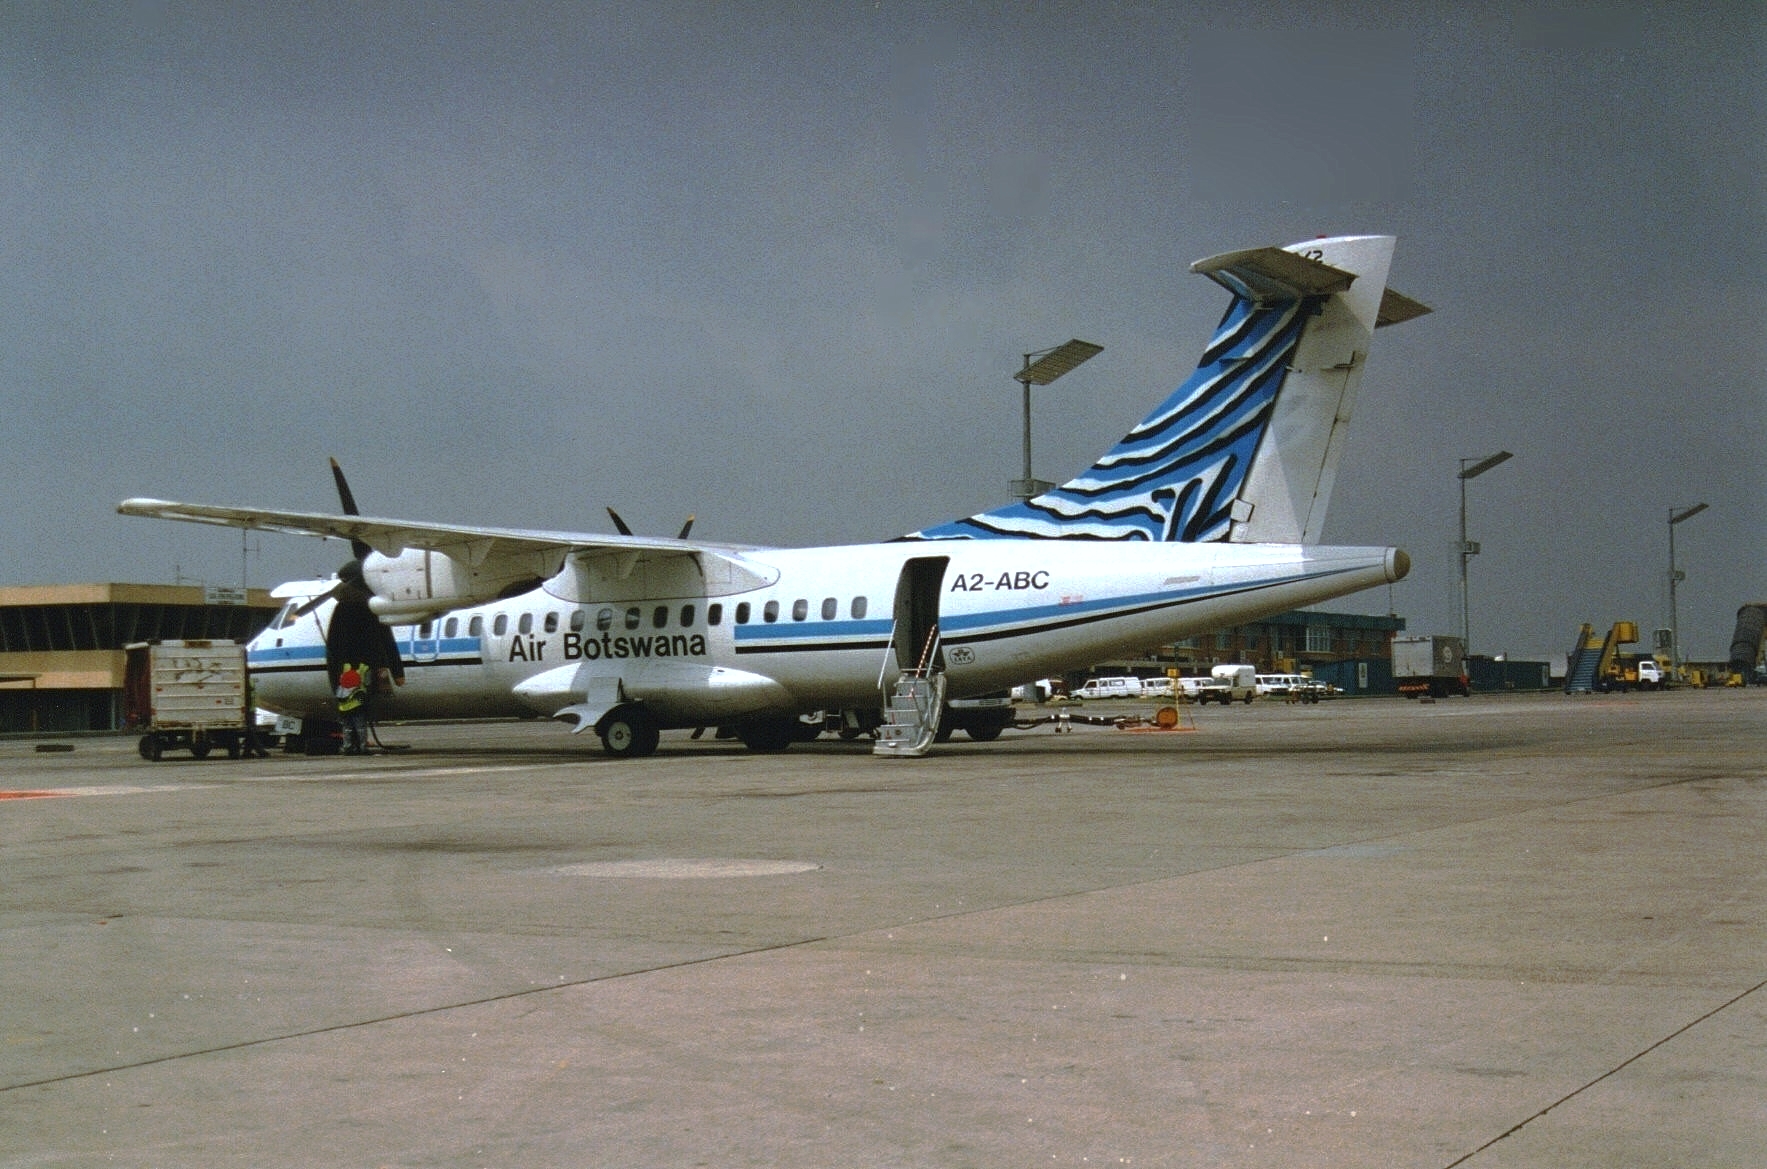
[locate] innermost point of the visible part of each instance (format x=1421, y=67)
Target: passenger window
x=633, y=617
x=687, y=616
x=604, y=620
x=770, y=612
x=830, y=607
x=714, y=614
x=475, y=627
x=579, y=618
x=800, y=609
x=500, y=626
x=659, y=617
x=552, y=622
x=426, y=631
x=742, y=613
x=858, y=608
x=526, y=624
x=452, y=627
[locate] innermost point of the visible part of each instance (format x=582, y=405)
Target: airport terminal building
x=61, y=646
x=1296, y=640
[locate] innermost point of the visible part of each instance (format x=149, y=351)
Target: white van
x=1294, y=687
x=1123, y=687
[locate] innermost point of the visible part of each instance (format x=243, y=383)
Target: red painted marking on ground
x=30, y=795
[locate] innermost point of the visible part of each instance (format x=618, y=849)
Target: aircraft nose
x=1398, y=564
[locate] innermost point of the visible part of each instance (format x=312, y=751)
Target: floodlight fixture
x=1482, y=465
x=1042, y=367
x=1053, y=362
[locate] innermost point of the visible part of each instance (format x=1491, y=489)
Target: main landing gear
x=629, y=732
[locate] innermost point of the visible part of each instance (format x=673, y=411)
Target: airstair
x=1595, y=661
x=911, y=718
x=1583, y=661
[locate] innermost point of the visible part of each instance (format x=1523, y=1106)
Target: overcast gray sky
x=774, y=263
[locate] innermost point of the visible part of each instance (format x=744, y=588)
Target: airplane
x=1206, y=515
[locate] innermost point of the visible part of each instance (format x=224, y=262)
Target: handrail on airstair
x=927, y=655
x=883, y=667
x=932, y=649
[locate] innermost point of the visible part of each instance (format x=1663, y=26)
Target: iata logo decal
x=962, y=656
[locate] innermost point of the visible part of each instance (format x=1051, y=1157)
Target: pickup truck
x=1225, y=684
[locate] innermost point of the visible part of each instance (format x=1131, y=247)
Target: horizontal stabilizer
x=1267, y=275
x=1396, y=308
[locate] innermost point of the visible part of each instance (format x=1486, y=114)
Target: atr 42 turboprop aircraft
x=1203, y=517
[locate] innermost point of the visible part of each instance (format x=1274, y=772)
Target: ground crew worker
x=352, y=707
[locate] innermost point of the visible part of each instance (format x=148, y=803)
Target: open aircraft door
x=916, y=636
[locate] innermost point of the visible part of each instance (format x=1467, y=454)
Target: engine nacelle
x=420, y=583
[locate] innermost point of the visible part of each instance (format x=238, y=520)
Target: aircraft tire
x=629, y=732
x=771, y=737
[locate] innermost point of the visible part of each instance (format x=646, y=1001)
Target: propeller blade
x=348, y=499
x=686, y=528
x=319, y=600
x=619, y=524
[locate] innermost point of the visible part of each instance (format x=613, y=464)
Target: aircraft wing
x=492, y=561
x=389, y=537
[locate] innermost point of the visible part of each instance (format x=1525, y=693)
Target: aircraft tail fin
x=1247, y=448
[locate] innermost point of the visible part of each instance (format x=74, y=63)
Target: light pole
x=1469, y=548
x=1675, y=577
x=1048, y=364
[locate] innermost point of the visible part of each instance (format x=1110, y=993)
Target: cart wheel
x=155, y=748
x=199, y=748
x=147, y=748
x=233, y=749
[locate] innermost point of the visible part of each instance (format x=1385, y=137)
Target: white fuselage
x=819, y=635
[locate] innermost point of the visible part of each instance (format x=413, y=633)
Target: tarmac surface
x=1515, y=931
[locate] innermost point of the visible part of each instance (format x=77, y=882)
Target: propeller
x=358, y=548
x=354, y=633
x=351, y=573
x=620, y=525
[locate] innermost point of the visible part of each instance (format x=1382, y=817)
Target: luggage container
x=187, y=695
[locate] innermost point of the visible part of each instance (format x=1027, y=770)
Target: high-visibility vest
x=352, y=687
